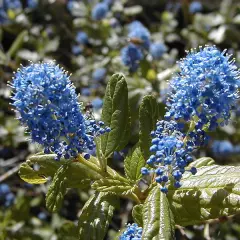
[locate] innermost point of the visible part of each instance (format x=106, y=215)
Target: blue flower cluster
x=172, y=153
x=99, y=74
x=195, y=7
x=133, y=232
x=131, y=55
x=157, y=50
x=100, y=11
x=140, y=41
x=6, y=196
x=137, y=32
x=32, y=4
x=82, y=38
x=207, y=88
x=48, y=105
x=224, y=148
x=5, y=6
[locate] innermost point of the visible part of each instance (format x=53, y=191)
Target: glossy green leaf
x=111, y=185
x=57, y=189
x=137, y=214
x=133, y=164
x=149, y=113
x=79, y=175
x=29, y=175
x=212, y=193
x=96, y=216
x=158, y=221
x=115, y=114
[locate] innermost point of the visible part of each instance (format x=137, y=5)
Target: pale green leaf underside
x=158, y=221
x=112, y=185
x=213, y=192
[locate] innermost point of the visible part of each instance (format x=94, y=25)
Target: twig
x=9, y=173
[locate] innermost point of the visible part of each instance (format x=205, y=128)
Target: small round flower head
x=7, y=5
x=99, y=11
x=99, y=74
x=85, y=91
x=222, y=148
x=140, y=33
x=82, y=38
x=157, y=50
x=171, y=154
x=32, y=4
x=76, y=50
x=195, y=7
x=48, y=105
x=207, y=88
x=133, y=232
x=97, y=103
x=131, y=55
x=11, y=4
x=6, y=196
x=133, y=25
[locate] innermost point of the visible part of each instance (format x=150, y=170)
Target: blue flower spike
x=133, y=232
x=48, y=106
x=206, y=88
x=171, y=155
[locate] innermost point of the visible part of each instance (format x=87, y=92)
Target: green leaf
x=115, y=114
x=137, y=214
x=133, y=164
x=96, y=216
x=28, y=175
x=111, y=185
x=201, y=162
x=79, y=175
x=158, y=221
x=212, y=193
x=16, y=45
x=57, y=189
x=149, y=113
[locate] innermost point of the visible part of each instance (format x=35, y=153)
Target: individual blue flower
x=82, y=38
x=224, y=148
x=171, y=154
x=32, y=4
x=133, y=232
x=85, y=91
x=133, y=25
x=76, y=50
x=99, y=11
x=11, y=4
x=48, y=105
x=97, y=103
x=6, y=196
x=99, y=74
x=3, y=16
x=195, y=7
x=206, y=88
x=7, y=5
x=139, y=34
x=131, y=56
x=157, y=50
x=108, y=2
